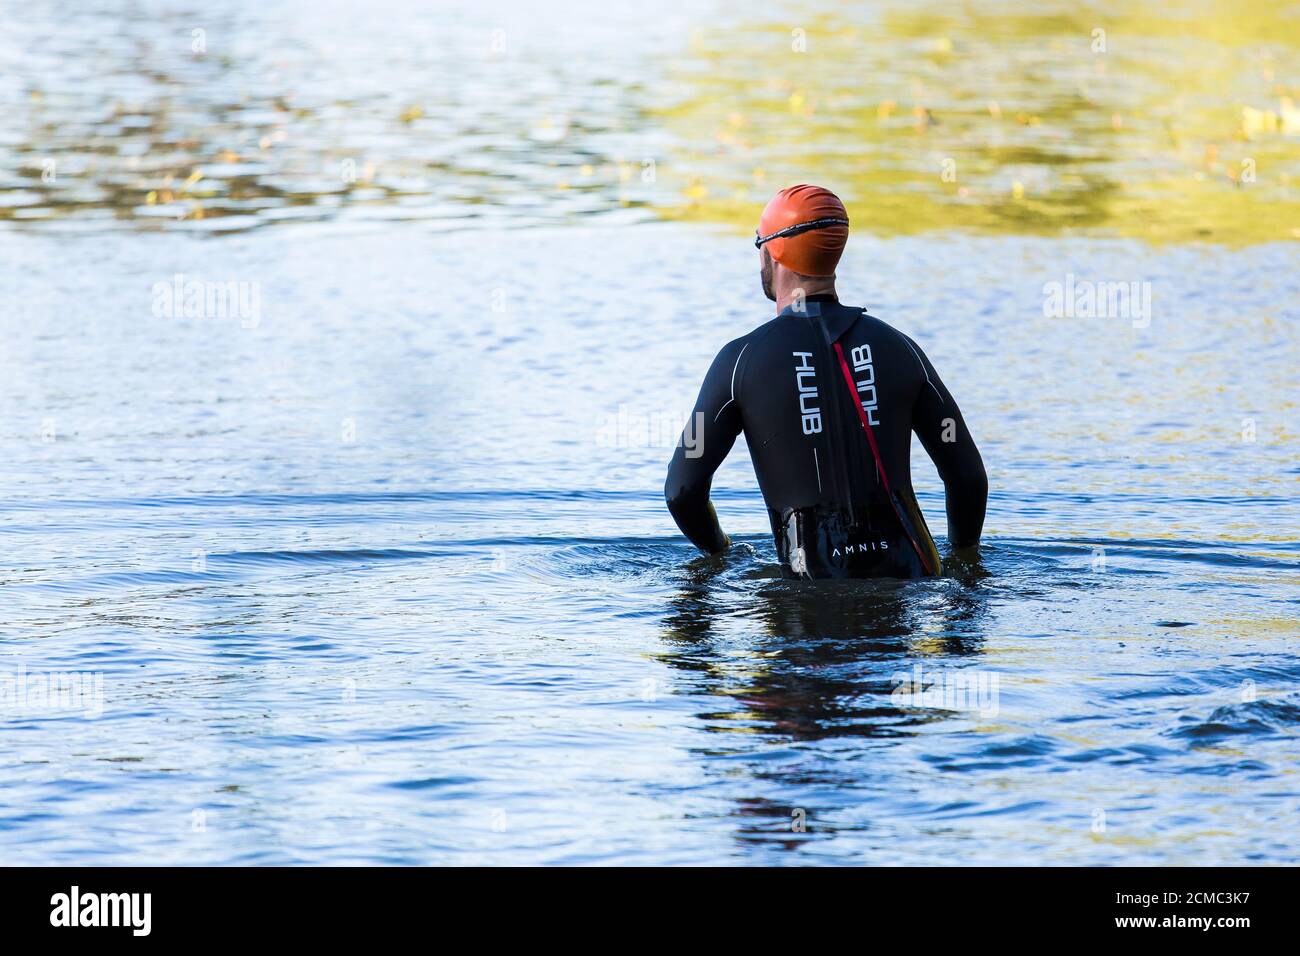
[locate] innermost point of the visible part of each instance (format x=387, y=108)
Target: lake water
x=373, y=565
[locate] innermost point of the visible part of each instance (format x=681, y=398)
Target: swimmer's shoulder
x=888, y=332
x=900, y=345
x=769, y=331
x=745, y=343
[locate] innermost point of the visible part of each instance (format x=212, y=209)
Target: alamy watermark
x=653, y=428
x=966, y=689
x=183, y=298
x=1084, y=299
x=23, y=694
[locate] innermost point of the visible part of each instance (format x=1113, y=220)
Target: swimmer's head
x=803, y=230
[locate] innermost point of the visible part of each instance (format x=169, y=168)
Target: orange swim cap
x=815, y=249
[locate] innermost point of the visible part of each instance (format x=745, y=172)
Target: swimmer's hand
x=721, y=544
x=964, y=564
x=718, y=540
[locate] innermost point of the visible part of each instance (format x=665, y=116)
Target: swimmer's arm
x=937, y=421
x=709, y=435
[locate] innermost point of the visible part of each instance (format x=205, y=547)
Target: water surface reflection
x=813, y=660
x=815, y=671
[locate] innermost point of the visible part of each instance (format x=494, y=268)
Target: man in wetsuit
x=828, y=398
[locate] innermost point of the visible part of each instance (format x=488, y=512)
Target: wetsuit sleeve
x=707, y=438
x=937, y=421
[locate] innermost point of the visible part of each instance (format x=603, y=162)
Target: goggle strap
x=799, y=227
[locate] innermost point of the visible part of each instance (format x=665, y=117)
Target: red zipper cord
x=880, y=465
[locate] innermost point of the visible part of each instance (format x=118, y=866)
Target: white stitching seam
x=924, y=371
x=733, y=384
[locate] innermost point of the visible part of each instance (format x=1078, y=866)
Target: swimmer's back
x=838, y=507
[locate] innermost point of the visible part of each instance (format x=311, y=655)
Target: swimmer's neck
x=791, y=287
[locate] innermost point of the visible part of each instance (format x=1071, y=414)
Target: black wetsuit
x=834, y=511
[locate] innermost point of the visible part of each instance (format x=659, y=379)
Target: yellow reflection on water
x=1181, y=122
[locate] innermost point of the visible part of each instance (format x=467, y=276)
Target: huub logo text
x=102, y=909
x=805, y=380
x=199, y=299
x=865, y=379
x=1073, y=299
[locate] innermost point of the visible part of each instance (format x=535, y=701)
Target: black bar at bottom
x=337, y=905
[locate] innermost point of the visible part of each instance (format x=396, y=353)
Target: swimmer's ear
x=775, y=249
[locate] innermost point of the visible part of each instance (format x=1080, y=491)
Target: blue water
x=379, y=577
x=369, y=563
